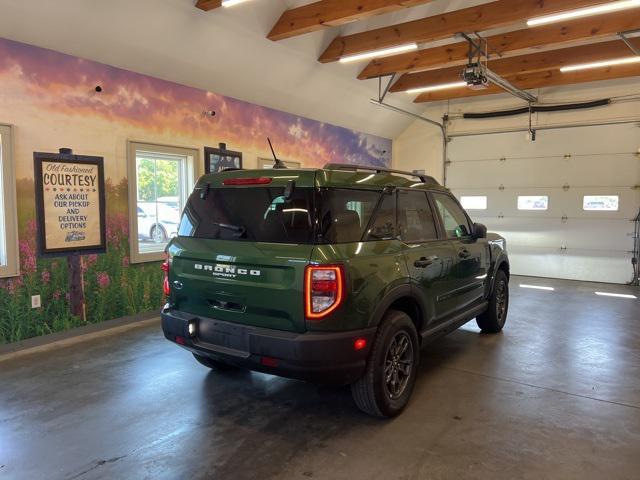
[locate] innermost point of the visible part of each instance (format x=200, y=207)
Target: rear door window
x=415, y=218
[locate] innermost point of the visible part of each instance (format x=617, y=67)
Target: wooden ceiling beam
x=496, y=14
x=331, y=13
x=519, y=41
x=544, y=79
x=508, y=67
x=207, y=5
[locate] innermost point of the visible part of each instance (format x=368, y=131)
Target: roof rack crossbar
x=346, y=166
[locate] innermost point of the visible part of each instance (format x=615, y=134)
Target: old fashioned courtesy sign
x=69, y=203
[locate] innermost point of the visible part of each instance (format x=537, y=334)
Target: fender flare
x=400, y=291
x=501, y=260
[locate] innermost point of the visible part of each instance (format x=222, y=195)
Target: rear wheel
x=493, y=319
x=386, y=386
x=214, y=364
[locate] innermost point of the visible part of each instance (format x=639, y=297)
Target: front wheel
x=493, y=319
x=386, y=386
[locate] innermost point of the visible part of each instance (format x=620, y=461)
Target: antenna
x=278, y=163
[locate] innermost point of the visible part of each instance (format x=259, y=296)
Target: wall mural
x=52, y=101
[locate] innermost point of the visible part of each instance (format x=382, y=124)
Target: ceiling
x=224, y=51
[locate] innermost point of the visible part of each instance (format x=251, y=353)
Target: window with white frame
x=160, y=181
x=474, y=202
x=268, y=163
x=533, y=202
x=9, y=265
x=602, y=203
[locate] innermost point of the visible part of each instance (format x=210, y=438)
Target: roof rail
x=346, y=166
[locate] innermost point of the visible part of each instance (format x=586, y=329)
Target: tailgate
x=251, y=283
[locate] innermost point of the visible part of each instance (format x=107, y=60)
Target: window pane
x=533, y=202
x=254, y=214
x=415, y=218
x=608, y=203
x=455, y=221
x=384, y=223
x=159, y=192
x=343, y=214
x=3, y=231
x=476, y=202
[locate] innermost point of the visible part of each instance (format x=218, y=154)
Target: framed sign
x=70, y=207
x=218, y=159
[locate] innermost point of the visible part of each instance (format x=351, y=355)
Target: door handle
x=424, y=262
x=464, y=253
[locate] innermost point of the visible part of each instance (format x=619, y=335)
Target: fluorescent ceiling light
x=620, y=295
x=583, y=12
x=537, y=287
x=604, y=63
x=231, y=3
x=435, y=88
x=379, y=53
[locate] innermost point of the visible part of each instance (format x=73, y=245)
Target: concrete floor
x=557, y=395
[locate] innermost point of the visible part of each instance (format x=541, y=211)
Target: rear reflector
x=247, y=181
x=180, y=340
x=323, y=290
x=269, y=361
x=166, y=289
x=360, y=343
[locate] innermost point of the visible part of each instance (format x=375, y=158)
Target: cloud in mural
x=65, y=85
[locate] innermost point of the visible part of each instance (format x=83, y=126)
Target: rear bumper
x=321, y=357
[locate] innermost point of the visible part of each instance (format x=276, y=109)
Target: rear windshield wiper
x=240, y=231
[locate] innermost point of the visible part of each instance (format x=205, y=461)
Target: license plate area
x=222, y=334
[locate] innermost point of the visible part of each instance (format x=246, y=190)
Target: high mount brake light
x=323, y=290
x=165, y=283
x=247, y=181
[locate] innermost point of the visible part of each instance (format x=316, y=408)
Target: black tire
x=375, y=393
x=493, y=319
x=214, y=364
x=158, y=234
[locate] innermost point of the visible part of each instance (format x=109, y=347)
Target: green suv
x=335, y=275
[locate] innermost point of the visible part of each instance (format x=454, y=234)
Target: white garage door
x=535, y=197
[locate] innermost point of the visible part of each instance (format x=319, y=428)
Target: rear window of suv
x=262, y=214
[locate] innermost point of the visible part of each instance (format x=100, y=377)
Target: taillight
x=165, y=284
x=323, y=290
x=247, y=181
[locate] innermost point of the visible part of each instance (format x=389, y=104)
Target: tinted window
x=254, y=214
x=383, y=226
x=343, y=214
x=415, y=218
x=455, y=222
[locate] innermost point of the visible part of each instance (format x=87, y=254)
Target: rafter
x=547, y=78
x=331, y=13
x=495, y=14
x=207, y=5
x=519, y=41
x=507, y=67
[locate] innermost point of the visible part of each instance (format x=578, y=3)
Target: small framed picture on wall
x=220, y=159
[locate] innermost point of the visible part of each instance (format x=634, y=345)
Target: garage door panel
x=576, y=171
x=564, y=241
x=584, y=265
x=561, y=202
x=609, y=235
x=584, y=140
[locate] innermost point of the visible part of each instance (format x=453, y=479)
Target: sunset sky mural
x=50, y=101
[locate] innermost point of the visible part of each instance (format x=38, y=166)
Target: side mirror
x=479, y=230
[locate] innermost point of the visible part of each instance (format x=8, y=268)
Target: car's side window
x=415, y=218
x=456, y=224
x=383, y=226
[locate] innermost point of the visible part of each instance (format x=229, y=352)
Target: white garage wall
x=586, y=245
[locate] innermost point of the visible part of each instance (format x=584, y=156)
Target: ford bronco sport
x=335, y=275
